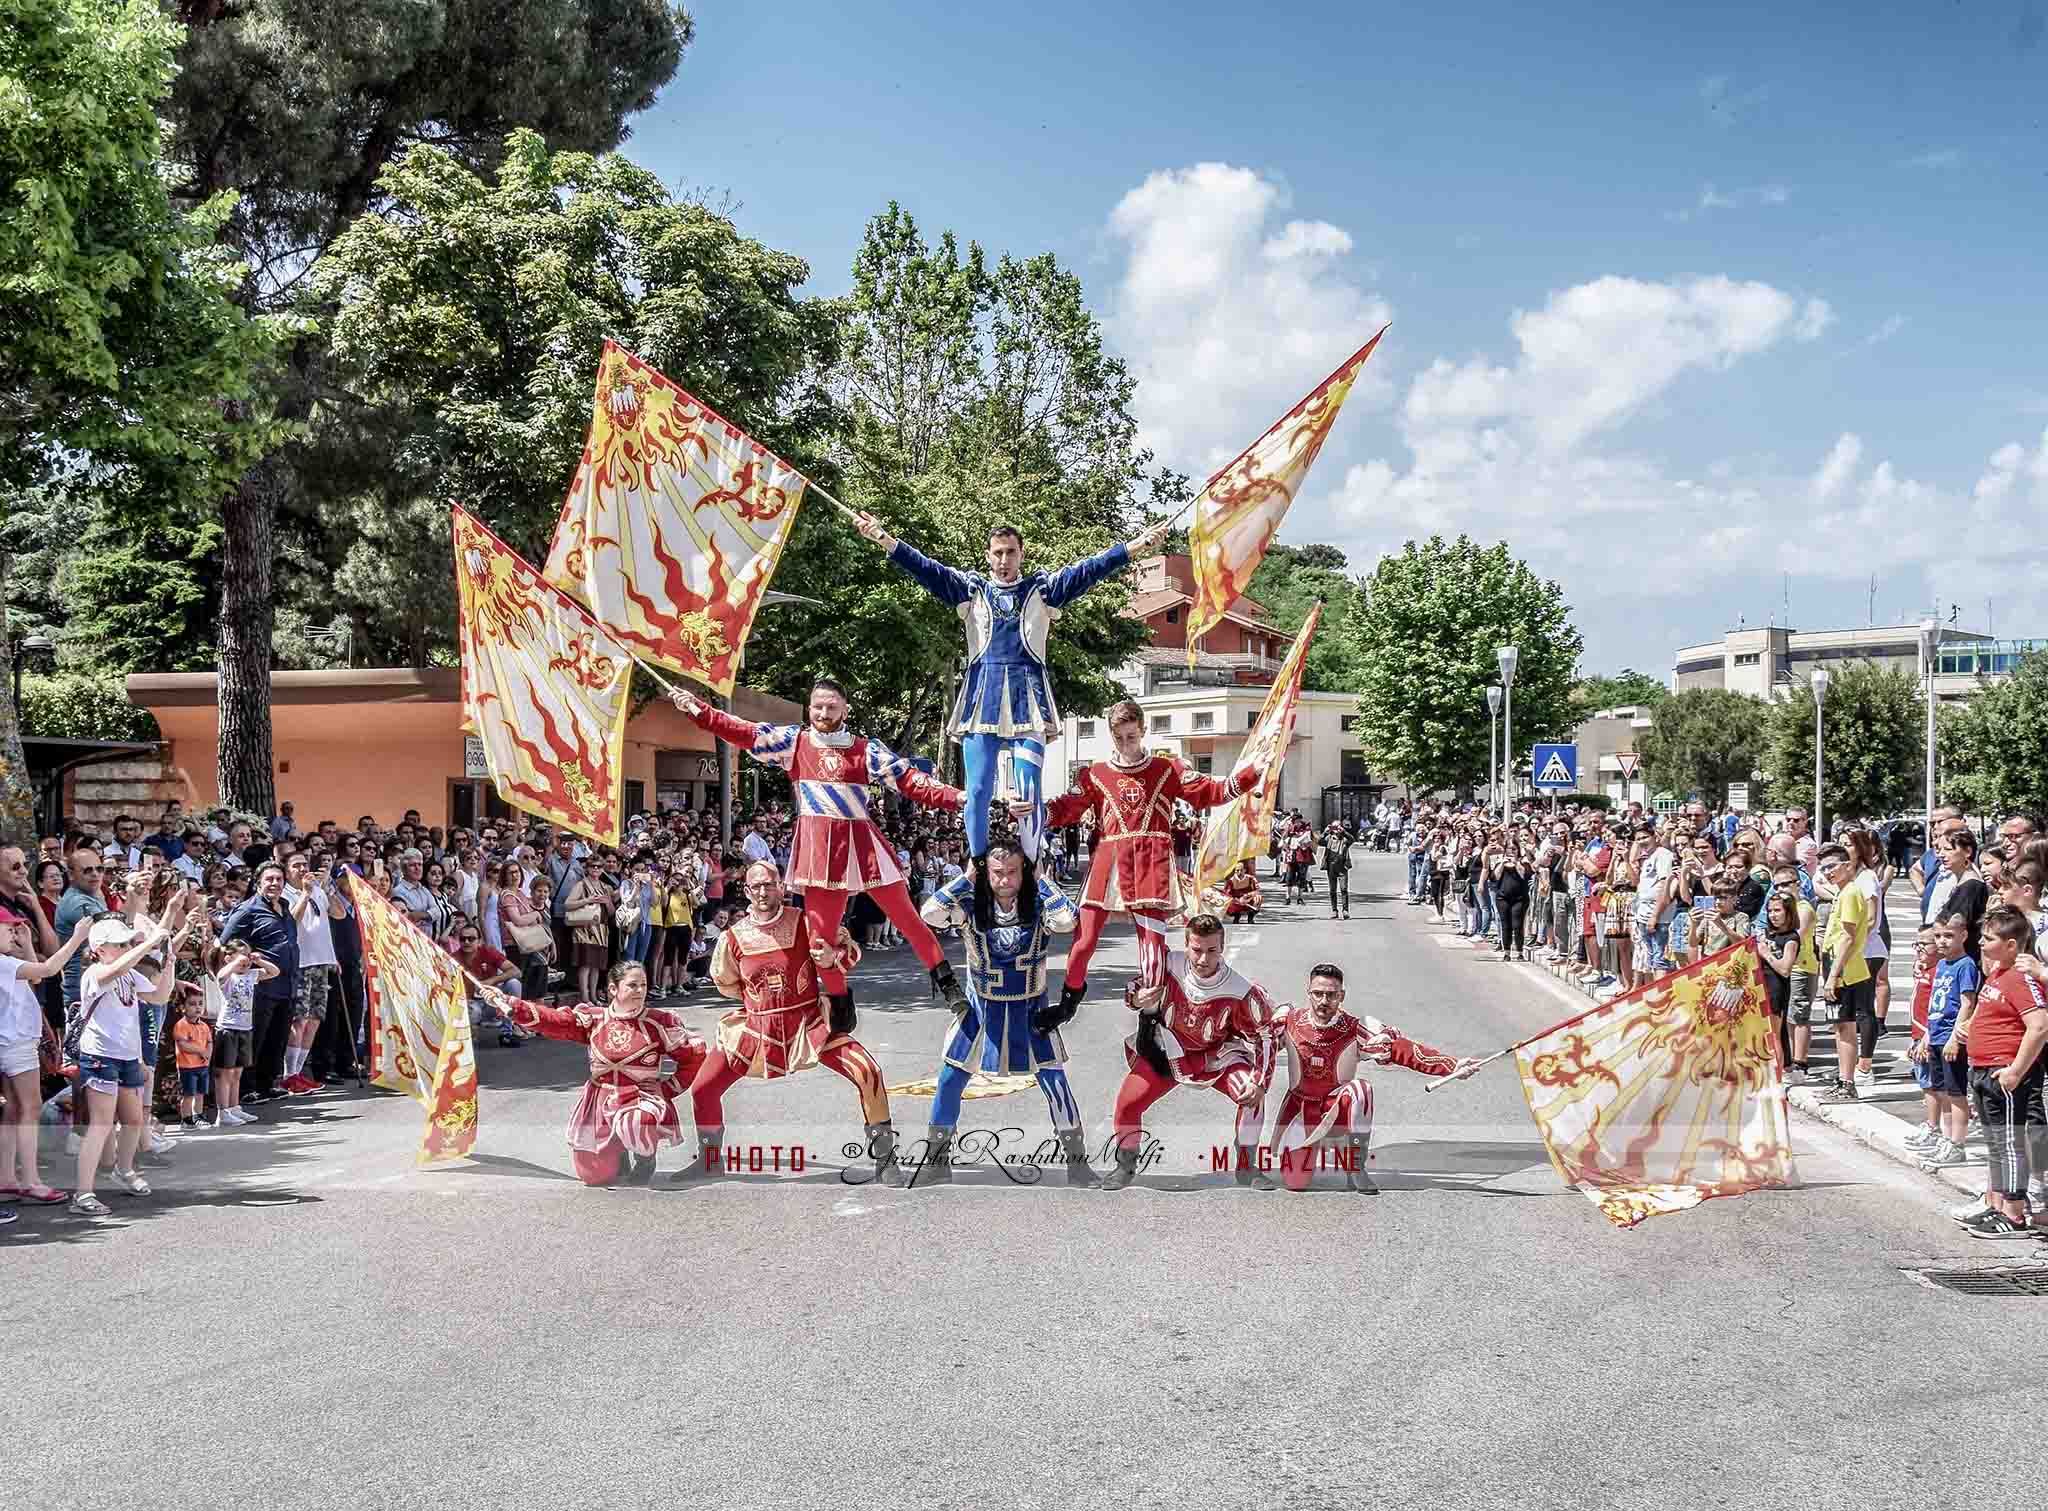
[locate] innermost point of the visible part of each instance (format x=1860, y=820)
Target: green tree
x=122, y=342
x=464, y=342
x=1424, y=642
x=1703, y=739
x=1871, y=734
x=1288, y=583
x=1992, y=752
x=1628, y=689
x=298, y=106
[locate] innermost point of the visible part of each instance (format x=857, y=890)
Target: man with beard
x=771, y=962
x=837, y=850
x=1008, y=933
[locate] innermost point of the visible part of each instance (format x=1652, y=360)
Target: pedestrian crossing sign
x=1554, y=768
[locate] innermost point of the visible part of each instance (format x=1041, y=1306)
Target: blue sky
x=1683, y=304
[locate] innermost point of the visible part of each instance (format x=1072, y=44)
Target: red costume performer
x=641, y=1058
x=1210, y=1027
x=1131, y=870
x=1324, y=1049
x=837, y=850
x=771, y=963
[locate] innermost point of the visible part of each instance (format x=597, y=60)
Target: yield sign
x=1628, y=761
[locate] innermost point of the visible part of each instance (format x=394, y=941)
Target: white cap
x=107, y=931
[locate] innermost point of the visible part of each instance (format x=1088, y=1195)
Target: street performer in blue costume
x=1005, y=698
x=1008, y=930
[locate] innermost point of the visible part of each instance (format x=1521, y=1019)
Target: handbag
x=531, y=938
x=627, y=917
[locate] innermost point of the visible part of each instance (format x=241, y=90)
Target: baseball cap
x=107, y=931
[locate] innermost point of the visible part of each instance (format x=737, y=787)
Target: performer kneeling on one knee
x=641, y=1058
x=838, y=851
x=771, y=961
x=1203, y=1025
x=1131, y=796
x=1324, y=1049
x=1008, y=932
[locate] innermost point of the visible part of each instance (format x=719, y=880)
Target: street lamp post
x=1820, y=694
x=23, y=648
x=1930, y=636
x=1508, y=655
x=1492, y=748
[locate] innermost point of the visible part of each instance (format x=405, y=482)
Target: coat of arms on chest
x=1130, y=792
x=832, y=764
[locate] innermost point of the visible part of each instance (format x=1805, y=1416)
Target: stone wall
x=140, y=785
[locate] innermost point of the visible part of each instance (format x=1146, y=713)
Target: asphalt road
x=300, y=1318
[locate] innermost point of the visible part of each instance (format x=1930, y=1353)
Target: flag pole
x=1466, y=1075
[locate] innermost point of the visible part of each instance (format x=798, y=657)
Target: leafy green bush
x=81, y=706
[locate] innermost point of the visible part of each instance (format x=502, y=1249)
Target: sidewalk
x=1884, y=1114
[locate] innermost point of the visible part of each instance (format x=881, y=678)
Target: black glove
x=1057, y=1014
x=841, y=1018
x=1150, y=1050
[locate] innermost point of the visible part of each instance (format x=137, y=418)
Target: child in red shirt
x=2005, y=1034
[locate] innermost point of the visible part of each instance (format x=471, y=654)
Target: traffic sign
x=1554, y=768
x=1628, y=761
x=1738, y=796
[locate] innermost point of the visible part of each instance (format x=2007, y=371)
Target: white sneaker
x=236, y=1117
x=1794, y=1076
x=1942, y=1155
x=1865, y=1079
x=1970, y=1210
x=72, y=1143
x=1926, y=1136
x=159, y=1144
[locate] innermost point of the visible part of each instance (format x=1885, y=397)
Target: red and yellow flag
x=1240, y=510
x=544, y=686
x=674, y=523
x=1667, y=1097
x=419, y=1024
x=1243, y=829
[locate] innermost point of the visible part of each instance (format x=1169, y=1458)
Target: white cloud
x=2011, y=472
x=1227, y=313
x=1711, y=198
x=1596, y=353
x=1941, y=158
x=1887, y=328
x=1839, y=467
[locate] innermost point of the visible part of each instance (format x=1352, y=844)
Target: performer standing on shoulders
x=1008, y=932
x=1131, y=796
x=1005, y=700
x=837, y=850
x=771, y=962
x=1202, y=1025
x=641, y=1058
x=1325, y=1050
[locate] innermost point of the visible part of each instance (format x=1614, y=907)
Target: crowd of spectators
x=1621, y=900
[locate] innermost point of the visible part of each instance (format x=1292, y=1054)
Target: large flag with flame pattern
x=1239, y=512
x=674, y=523
x=1243, y=829
x=1669, y=1096
x=419, y=1024
x=544, y=686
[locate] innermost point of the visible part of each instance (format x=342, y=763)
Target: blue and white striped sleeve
x=774, y=744
x=1056, y=908
x=950, y=906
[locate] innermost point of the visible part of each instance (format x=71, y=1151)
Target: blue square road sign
x=1554, y=768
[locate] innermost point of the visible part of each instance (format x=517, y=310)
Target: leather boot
x=882, y=1141
x=636, y=1169
x=710, y=1158
x=1359, y=1178
x=1079, y=1171
x=937, y=1167
x=839, y=1014
x=947, y=985
x=1126, y=1169
x=1248, y=1173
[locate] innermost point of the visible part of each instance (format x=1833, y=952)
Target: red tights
x=825, y=907
x=848, y=1057
x=1151, y=927
x=1142, y=1086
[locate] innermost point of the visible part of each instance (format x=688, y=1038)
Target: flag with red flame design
x=1243, y=830
x=1669, y=1096
x=1240, y=510
x=674, y=523
x=544, y=686
x=419, y=1024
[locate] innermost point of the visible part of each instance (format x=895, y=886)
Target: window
x=1173, y=616
x=1084, y=729
x=1347, y=722
x=1251, y=719
x=1205, y=721
x=1747, y=658
x=1205, y=764
x=1351, y=770
x=1162, y=724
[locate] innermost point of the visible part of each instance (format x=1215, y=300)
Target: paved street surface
x=300, y=1318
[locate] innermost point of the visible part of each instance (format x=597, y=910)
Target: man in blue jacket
x=1005, y=700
